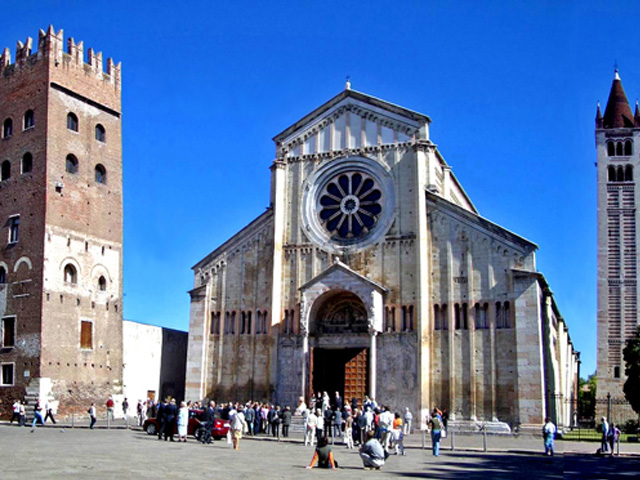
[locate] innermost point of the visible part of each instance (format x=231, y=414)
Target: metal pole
x=484, y=439
x=424, y=439
x=108, y=420
x=73, y=420
x=453, y=441
x=609, y=407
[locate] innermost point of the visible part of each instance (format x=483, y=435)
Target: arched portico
x=340, y=317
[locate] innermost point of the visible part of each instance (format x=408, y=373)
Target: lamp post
x=609, y=407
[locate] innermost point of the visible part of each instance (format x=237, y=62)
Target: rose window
x=350, y=205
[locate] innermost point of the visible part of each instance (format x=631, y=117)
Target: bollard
x=73, y=420
x=108, y=421
x=484, y=439
x=453, y=440
x=126, y=417
x=424, y=439
x=618, y=445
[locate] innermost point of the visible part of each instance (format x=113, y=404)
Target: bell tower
x=61, y=212
x=617, y=145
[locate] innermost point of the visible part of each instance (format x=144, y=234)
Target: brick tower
x=618, y=167
x=61, y=212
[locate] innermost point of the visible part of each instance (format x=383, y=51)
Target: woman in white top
x=183, y=421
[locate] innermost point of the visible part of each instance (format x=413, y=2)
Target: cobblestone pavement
x=56, y=452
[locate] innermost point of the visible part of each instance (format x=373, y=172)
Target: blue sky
x=511, y=88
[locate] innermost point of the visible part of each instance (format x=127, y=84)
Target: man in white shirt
x=385, y=422
x=548, y=434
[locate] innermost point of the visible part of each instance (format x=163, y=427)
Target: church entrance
x=341, y=370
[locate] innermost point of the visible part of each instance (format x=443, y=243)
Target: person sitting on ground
x=372, y=453
x=323, y=456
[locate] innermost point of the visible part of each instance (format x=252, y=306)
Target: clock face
x=350, y=205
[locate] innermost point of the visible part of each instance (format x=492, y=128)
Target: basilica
x=372, y=272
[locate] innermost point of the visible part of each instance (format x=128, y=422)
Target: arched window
x=6, y=170
x=101, y=174
x=628, y=150
x=465, y=317
x=233, y=322
x=619, y=149
x=620, y=175
x=70, y=274
x=456, y=316
x=506, y=321
x=249, y=322
x=611, y=149
x=7, y=128
x=3, y=275
x=102, y=284
x=101, y=134
x=243, y=322
x=499, y=315
x=628, y=173
x=227, y=322
x=482, y=320
x=28, y=120
x=611, y=173
x=71, y=165
x=27, y=163
x=72, y=122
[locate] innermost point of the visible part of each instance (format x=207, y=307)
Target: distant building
x=617, y=140
x=372, y=273
x=154, y=362
x=61, y=214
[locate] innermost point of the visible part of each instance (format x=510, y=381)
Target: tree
x=631, y=355
x=587, y=396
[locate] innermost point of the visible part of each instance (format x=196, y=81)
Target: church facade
x=372, y=273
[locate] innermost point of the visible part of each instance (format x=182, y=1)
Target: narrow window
x=28, y=121
x=27, y=163
x=227, y=322
x=8, y=332
x=286, y=321
x=212, y=327
x=100, y=133
x=506, y=321
x=437, y=322
x=628, y=150
x=499, y=315
x=405, y=319
x=618, y=149
x=233, y=323
x=265, y=327
x=86, y=334
x=14, y=229
x=70, y=274
x=101, y=174
x=628, y=173
x=71, y=165
x=485, y=315
x=3, y=276
x=611, y=173
x=102, y=284
x=411, y=318
x=218, y=315
x=6, y=170
x=616, y=372
x=392, y=320
x=7, y=374
x=243, y=322
x=72, y=122
x=611, y=149
x=7, y=128
x=620, y=175
x=249, y=323
x=258, y=322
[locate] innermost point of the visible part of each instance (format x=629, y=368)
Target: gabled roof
x=618, y=112
x=362, y=97
x=488, y=225
x=339, y=266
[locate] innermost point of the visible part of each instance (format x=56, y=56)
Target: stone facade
x=618, y=160
x=371, y=272
x=61, y=205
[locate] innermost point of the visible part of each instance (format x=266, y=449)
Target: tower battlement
x=50, y=48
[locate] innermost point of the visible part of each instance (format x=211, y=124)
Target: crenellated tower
x=61, y=210
x=617, y=145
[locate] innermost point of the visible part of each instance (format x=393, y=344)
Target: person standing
x=238, y=424
x=612, y=437
x=110, y=412
x=160, y=418
x=310, y=428
x=49, y=412
x=408, y=417
x=372, y=453
x=385, y=423
x=183, y=421
x=286, y=421
x=125, y=407
x=348, y=431
x=337, y=423
x=250, y=417
x=548, y=434
x=435, y=425
x=604, y=444
x=337, y=402
x=319, y=425
x=92, y=415
x=171, y=410
x=398, y=435
x=16, y=412
x=23, y=414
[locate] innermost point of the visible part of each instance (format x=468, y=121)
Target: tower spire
x=598, y=117
x=617, y=114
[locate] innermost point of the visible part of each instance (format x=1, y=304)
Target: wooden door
x=355, y=377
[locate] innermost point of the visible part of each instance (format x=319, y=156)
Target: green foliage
x=631, y=355
x=587, y=397
x=631, y=427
